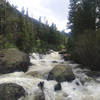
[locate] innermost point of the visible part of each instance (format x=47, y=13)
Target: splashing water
x=86, y=88
x=44, y=63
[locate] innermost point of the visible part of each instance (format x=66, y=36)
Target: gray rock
x=12, y=60
x=61, y=73
x=11, y=91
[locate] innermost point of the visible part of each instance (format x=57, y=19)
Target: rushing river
x=88, y=88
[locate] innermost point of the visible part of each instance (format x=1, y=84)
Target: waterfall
x=82, y=88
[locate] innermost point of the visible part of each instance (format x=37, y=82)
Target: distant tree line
x=84, y=41
x=18, y=30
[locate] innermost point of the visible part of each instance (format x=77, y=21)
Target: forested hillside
x=18, y=30
x=84, y=42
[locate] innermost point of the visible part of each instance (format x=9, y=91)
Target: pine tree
x=82, y=16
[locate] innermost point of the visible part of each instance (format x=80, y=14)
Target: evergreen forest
x=18, y=30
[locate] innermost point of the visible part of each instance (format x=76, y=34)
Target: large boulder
x=11, y=91
x=13, y=60
x=61, y=73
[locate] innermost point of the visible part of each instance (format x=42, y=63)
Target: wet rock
x=41, y=85
x=57, y=87
x=63, y=51
x=12, y=60
x=49, y=51
x=59, y=96
x=34, y=74
x=77, y=84
x=93, y=74
x=65, y=94
x=38, y=74
x=66, y=56
x=11, y=91
x=40, y=56
x=61, y=73
x=39, y=96
x=54, y=62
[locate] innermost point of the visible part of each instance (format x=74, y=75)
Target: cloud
x=54, y=10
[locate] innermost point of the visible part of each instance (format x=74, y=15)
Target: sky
x=55, y=11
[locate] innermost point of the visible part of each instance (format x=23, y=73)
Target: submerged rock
x=13, y=60
x=34, y=74
x=61, y=73
x=39, y=96
x=37, y=74
x=54, y=62
x=11, y=91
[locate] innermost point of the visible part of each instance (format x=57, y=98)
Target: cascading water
x=82, y=88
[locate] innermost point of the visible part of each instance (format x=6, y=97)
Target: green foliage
x=5, y=43
x=82, y=16
x=87, y=49
x=84, y=41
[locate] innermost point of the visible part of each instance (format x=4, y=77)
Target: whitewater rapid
x=87, y=88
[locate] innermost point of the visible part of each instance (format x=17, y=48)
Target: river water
x=88, y=88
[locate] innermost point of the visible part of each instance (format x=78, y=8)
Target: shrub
x=87, y=49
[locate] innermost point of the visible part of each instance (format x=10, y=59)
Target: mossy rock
x=61, y=73
x=11, y=91
x=13, y=60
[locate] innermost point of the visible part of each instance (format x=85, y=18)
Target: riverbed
x=82, y=88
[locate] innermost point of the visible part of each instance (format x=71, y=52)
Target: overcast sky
x=55, y=11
